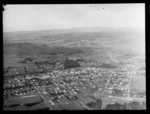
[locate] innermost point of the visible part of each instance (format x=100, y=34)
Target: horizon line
x=125, y=27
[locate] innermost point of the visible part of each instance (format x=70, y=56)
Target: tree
x=127, y=106
x=70, y=64
x=135, y=105
x=95, y=105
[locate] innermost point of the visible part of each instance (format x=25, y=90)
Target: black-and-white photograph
x=74, y=57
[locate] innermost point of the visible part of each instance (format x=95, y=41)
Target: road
x=84, y=106
x=129, y=83
x=127, y=98
x=72, y=93
x=63, y=85
x=29, y=96
x=107, y=82
x=67, y=88
x=41, y=95
x=128, y=74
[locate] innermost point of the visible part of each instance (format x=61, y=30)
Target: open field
x=91, y=45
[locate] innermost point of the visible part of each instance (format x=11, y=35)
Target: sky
x=62, y=16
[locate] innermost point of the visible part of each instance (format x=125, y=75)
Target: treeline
x=71, y=64
x=108, y=65
x=126, y=106
x=95, y=105
x=30, y=49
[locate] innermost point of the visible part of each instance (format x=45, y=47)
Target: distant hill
x=91, y=42
x=27, y=36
